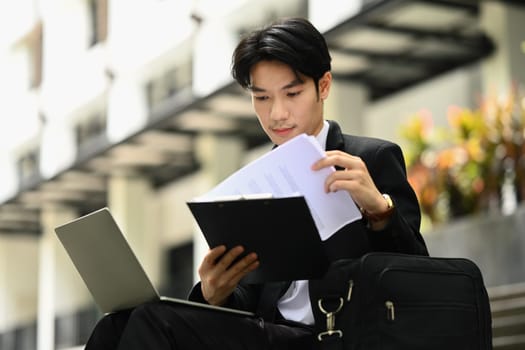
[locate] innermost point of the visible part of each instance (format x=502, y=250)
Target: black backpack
x=386, y=301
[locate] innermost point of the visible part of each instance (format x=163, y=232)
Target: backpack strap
x=329, y=297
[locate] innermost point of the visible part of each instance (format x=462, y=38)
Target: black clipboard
x=280, y=230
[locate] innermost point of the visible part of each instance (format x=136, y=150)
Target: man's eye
x=261, y=98
x=293, y=94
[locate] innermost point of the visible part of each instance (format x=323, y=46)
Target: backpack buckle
x=330, y=320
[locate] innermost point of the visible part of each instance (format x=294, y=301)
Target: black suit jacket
x=386, y=165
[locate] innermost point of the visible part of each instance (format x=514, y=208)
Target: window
x=90, y=129
x=35, y=41
x=170, y=83
x=179, y=279
x=98, y=11
x=20, y=338
x=74, y=328
x=28, y=167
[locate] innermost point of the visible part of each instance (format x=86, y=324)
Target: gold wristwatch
x=384, y=215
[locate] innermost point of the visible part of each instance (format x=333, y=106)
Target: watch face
x=389, y=201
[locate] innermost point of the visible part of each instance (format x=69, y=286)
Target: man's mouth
x=282, y=131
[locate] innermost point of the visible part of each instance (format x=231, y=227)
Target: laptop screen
x=106, y=262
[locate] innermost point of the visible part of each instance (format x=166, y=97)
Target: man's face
x=285, y=104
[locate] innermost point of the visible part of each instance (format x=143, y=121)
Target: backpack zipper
x=350, y=287
x=390, y=314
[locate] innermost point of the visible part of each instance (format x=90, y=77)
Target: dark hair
x=293, y=41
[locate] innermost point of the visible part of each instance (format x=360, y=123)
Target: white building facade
x=91, y=91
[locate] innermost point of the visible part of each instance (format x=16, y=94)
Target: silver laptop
x=109, y=267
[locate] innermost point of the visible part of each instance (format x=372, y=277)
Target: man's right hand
x=219, y=277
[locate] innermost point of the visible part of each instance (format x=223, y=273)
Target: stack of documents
x=286, y=172
x=277, y=207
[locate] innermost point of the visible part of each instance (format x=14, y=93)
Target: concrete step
x=508, y=307
x=507, y=304
x=513, y=342
x=508, y=291
x=508, y=325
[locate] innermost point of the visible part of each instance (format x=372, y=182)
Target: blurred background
x=129, y=104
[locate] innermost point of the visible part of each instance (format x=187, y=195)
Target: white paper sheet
x=285, y=172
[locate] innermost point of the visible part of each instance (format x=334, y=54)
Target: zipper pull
x=390, y=314
x=350, y=286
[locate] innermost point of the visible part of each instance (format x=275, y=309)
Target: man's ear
x=324, y=85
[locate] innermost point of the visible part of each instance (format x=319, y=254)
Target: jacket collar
x=335, y=138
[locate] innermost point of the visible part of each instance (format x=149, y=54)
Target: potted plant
x=476, y=164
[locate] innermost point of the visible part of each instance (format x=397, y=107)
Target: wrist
x=383, y=215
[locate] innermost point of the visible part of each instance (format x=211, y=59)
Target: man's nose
x=279, y=110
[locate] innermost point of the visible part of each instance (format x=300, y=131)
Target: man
x=286, y=68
